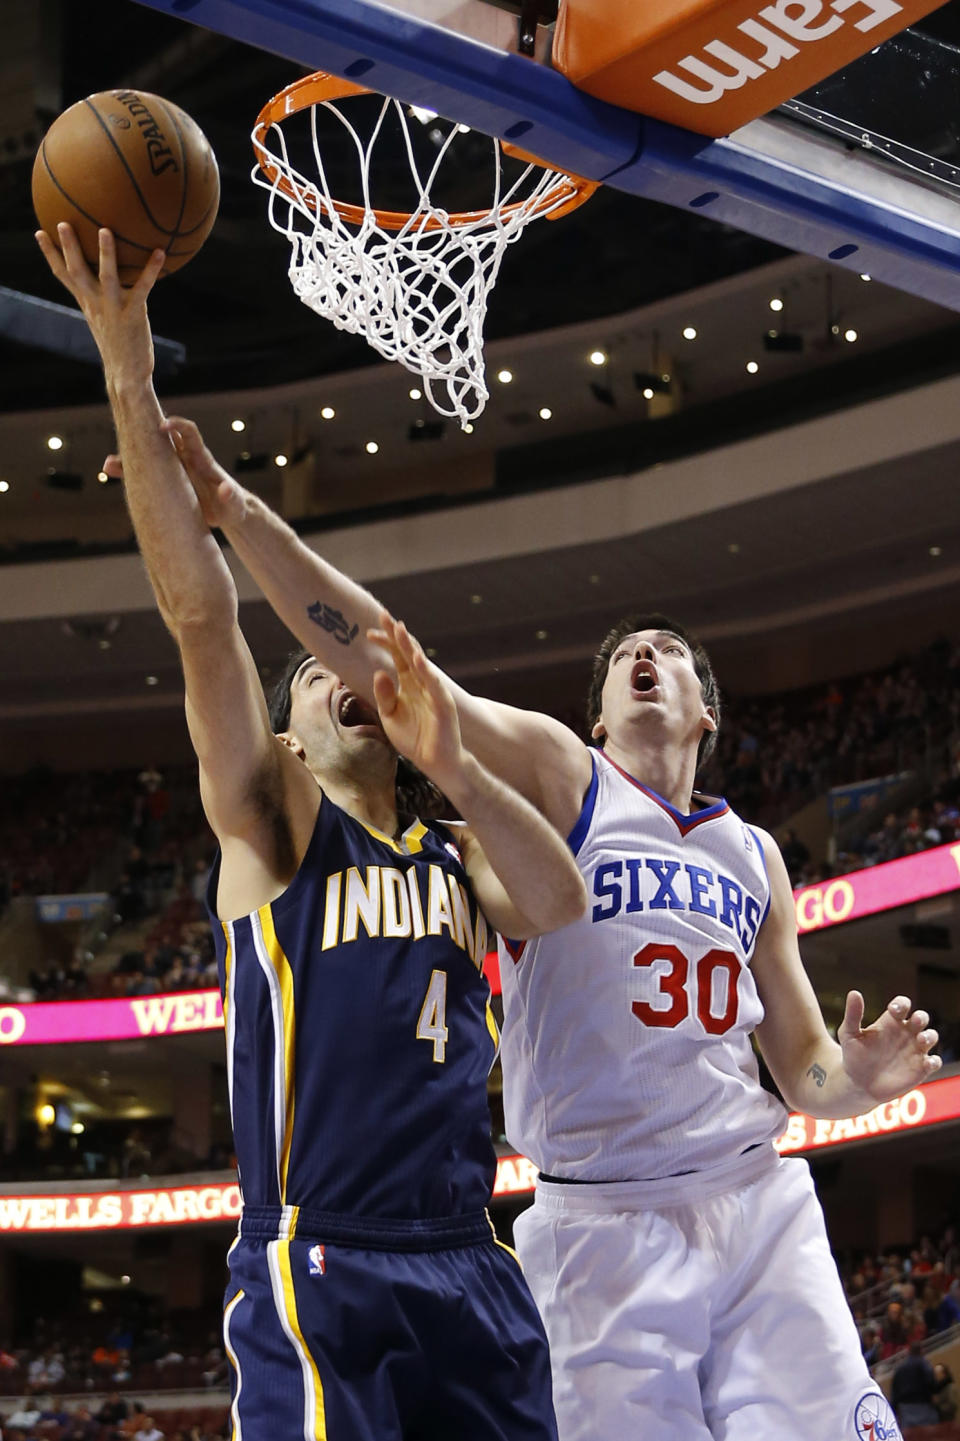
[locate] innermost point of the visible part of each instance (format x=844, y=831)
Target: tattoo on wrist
x=818, y=1073
x=333, y=621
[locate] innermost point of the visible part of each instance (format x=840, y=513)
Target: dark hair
x=653, y=620
x=416, y=795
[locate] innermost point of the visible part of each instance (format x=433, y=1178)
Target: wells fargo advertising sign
x=99, y=1210
x=925, y=1106
x=43, y=1023
x=882, y=888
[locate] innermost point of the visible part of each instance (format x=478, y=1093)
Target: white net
x=415, y=287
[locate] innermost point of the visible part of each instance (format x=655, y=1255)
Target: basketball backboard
x=820, y=192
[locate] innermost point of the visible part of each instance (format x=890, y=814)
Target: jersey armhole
x=763, y=862
x=578, y=835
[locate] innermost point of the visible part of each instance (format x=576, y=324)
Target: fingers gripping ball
x=137, y=165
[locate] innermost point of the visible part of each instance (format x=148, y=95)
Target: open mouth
x=352, y=711
x=644, y=678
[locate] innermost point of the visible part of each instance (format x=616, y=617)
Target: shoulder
x=770, y=852
x=260, y=857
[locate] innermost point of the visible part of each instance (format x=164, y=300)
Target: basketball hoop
x=415, y=283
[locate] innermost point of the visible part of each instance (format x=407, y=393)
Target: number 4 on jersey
x=432, y=1025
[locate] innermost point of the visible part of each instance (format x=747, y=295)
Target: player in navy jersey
x=682, y=1266
x=369, y=1298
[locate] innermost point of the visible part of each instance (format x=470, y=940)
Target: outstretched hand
x=222, y=499
x=892, y=1055
x=417, y=709
x=116, y=315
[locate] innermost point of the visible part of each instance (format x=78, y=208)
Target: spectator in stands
x=113, y=1411
x=950, y=1307
x=198, y=880
x=81, y=1426
x=24, y=1418
x=164, y=1352
x=913, y=1390
x=870, y=1345
x=149, y=1431
x=795, y=855
x=122, y=1373
x=52, y=1414
x=945, y=1396
x=931, y=1301
x=893, y=1333
x=136, y=1157
x=133, y=1422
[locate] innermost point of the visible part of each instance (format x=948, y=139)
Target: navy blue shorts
x=341, y=1331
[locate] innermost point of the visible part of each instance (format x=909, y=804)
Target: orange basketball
x=133, y=163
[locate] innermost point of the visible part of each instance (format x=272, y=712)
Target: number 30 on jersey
x=715, y=988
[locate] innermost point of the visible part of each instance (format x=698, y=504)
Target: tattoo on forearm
x=333, y=621
x=818, y=1073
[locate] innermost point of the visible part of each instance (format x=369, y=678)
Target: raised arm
x=816, y=1074
x=522, y=873
x=192, y=583
x=331, y=615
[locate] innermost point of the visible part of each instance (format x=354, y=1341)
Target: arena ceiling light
x=597, y=357
x=776, y=303
x=504, y=376
x=545, y=413
x=327, y=412
x=238, y=426
x=54, y=442
x=752, y=367
x=689, y=332
x=371, y=447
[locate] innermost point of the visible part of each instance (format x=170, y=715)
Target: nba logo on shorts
x=874, y=1420
x=317, y=1261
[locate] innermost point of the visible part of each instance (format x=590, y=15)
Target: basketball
x=137, y=165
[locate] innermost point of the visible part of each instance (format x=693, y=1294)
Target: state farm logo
x=788, y=26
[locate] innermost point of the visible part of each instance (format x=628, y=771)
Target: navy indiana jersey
x=359, y=1032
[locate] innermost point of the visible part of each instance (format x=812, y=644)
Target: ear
x=293, y=742
x=599, y=731
x=709, y=718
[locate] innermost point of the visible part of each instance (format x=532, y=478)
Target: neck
x=667, y=770
x=368, y=794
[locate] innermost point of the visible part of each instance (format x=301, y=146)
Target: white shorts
x=719, y=1316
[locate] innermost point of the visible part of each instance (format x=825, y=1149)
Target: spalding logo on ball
x=137, y=165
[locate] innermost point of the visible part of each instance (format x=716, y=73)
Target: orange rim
x=566, y=194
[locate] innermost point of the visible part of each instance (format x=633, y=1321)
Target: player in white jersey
x=681, y=1265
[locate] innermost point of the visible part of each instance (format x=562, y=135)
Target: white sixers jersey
x=626, y=1038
